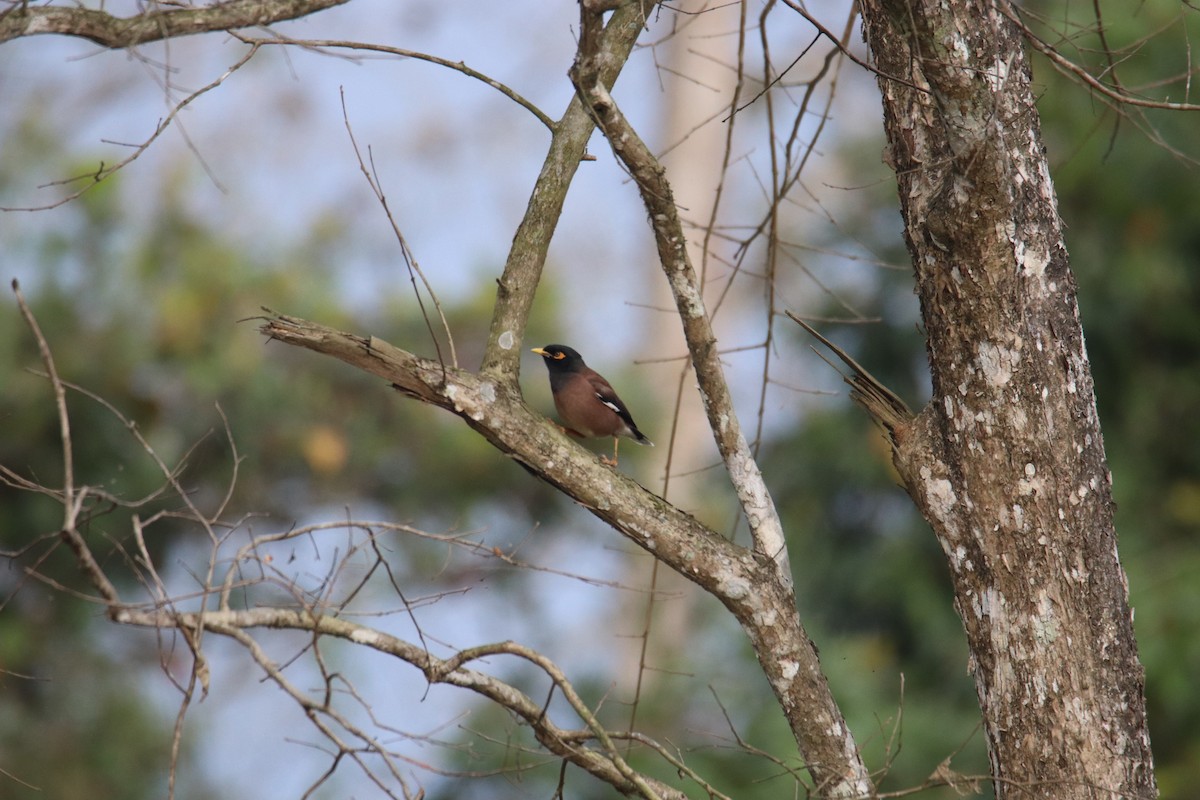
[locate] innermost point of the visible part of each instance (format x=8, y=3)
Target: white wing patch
x=608, y=403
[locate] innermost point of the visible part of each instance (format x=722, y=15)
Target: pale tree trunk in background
x=1007, y=462
x=699, y=82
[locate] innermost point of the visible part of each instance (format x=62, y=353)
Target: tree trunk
x=1007, y=462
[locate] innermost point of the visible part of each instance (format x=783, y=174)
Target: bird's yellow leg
x=611, y=462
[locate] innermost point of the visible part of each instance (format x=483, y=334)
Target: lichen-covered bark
x=106, y=30
x=1007, y=462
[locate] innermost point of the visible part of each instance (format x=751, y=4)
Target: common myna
x=587, y=403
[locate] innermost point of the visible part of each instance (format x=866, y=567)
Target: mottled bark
x=106, y=30
x=1007, y=462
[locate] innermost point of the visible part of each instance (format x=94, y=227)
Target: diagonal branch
x=817, y=723
x=105, y=170
x=1066, y=66
x=115, y=33
x=325, y=45
x=650, y=176
x=743, y=581
x=503, y=418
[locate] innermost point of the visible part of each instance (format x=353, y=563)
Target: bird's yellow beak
x=539, y=351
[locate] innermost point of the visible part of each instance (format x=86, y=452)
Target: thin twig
x=319, y=45
x=844, y=48
x=410, y=261
x=72, y=503
x=103, y=171
x=1070, y=68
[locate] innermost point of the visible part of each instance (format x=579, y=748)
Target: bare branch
x=828, y=746
x=72, y=501
x=1068, y=67
x=115, y=33
x=104, y=170
x=319, y=617
x=685, y=286
x=841, y=45
x=884, y=406
x=410, y=260
x=605, y=763
x=319, y=45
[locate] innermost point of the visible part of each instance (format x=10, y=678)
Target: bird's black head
x=560, y=358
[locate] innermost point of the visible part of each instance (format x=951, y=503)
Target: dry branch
x=316, y=612
x=756, y=501
x=606, y=763
x=884, y=406
x=106, y=30
x=789, y=660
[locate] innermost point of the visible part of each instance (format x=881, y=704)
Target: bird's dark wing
x=607, y=395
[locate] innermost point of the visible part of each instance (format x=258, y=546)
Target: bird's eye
x=560, y=356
